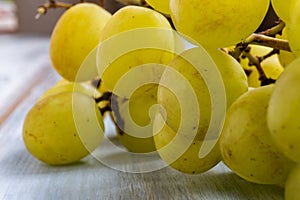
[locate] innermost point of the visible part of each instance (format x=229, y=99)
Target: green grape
x=63, y=128
x=145, y=40
x=292, y=186
x=133, y=29
x=235, y=82
x=194, y=86
x=285, y=57
x=66, y=86
x=218, y=23
x=74, y=36
x=188, y=162
x=270, y=65
x=136, y=108
x=160, y=5
x=246, y=144
x=283, y=113
x=293, y=27
x=282, y=8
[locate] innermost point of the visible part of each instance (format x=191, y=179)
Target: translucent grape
x=185, y=133
x=284, y=109
x=292, y=186
x=282, y=8
x=63, y=128
x=246, y=143
x=74, y=36
x=160, y=5
x=293, y=27
x=133, y=29
x=218, y=23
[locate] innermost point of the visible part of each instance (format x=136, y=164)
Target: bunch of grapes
x=192, y=81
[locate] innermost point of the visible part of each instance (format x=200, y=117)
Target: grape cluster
x=202, y=90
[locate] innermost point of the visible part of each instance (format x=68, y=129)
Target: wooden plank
x=24, y=61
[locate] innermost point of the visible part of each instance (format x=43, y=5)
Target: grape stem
x=268, y=41
x=256, y=61
x=105, y=109
x=106, y=96
x=264, y=38
x=42, y=9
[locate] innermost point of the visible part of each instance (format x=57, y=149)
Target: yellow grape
x=246, y=144
x=66, y=86
x=285, y=57
x=193, y=88
x=131, y=30
x=137, y=109
x=293, y=27
x=284, y=109
x=73, y=38
x=235, y=82
x=282, y=8
x=292, y=186
x=218, y=23
x=271, y=65
x=253, y=78
x=63, y=128
x=189, y=162
x=160, y=5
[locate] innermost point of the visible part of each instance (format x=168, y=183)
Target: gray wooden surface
x=25, y=72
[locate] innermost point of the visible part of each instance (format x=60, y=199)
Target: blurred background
x=18, y=16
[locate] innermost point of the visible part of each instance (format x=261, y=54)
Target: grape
x=188, y=162
x=283, y=113
x=66, y=86
x=270, y=65
x=63, y=128
x=160, y=5
x=292, y=186
x=218, y=23
x=144, y=38
x=293, y=27
x=285, y=57
x=134, y=29
x=246, y=144
x=282, y=8
x=136, y=108
x=189, y=94
x=235, y=82
x=74, y=36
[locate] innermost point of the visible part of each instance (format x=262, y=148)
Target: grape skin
x=246, y=143
x=282, y=8
x=74, y=36
x=188, y=161
x=160, y=5
x=218, y=23
x=115, y=33
x=292, y=186
x=293, y=27
x=63, y=128
x=283, y=112
x=138, y=107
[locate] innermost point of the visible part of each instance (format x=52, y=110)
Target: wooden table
x=25, y=72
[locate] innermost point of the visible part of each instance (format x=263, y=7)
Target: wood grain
x=24, y=177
